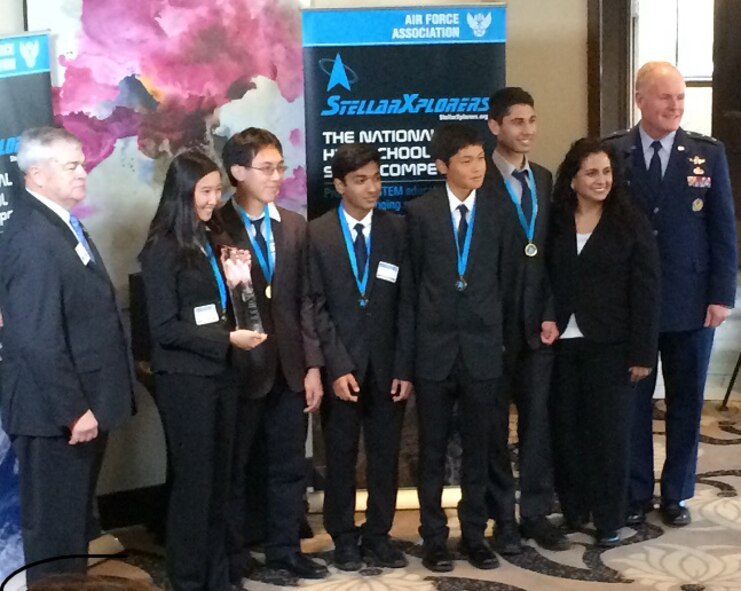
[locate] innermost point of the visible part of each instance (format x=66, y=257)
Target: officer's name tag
x=206, y=314
x=387, y=272
x=82, y=253
x=701, y=182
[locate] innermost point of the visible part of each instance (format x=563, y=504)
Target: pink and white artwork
x=138, y=80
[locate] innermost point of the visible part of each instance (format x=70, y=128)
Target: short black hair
x=503, y=99
x=349, y=157
x=451, y=138
x=242, y=147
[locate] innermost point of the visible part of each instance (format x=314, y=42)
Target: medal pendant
x=530, y=249
x=461, y=284
x=363, y=303
x=268, y=292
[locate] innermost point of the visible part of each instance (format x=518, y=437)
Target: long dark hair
x=176, y=217
x=564, y=197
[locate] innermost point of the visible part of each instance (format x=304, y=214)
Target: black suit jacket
x=612, y=286
x=382, y=335
x=450, y=322
x=174, y=287
x=64, y=349
x=288, y=316
x=528, y=302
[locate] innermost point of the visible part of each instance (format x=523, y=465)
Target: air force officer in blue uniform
x=681, y=181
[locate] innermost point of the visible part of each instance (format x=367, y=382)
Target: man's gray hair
x=37, y=145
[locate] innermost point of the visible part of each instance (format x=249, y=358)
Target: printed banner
x=25, y=97
x=389, y=77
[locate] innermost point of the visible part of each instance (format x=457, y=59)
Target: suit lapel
x=68, y=235
x=279, y=235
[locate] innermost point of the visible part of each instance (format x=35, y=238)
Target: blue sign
x=389, y=77
x=405, y=26
x=23, y=55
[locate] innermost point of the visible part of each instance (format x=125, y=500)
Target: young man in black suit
x=456, y=245
x=361, y=286
x=280, y=378
x=524, y=190
x=67, y=378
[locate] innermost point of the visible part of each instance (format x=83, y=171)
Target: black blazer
x=528, y=301
x=612, y=286
x=174, y=288
x=382, y=335
x=450, y=322
x=64, y=349
x=288, y=316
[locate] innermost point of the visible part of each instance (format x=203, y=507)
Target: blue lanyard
x=265, y=260
x=463, y=257
x=528, y=227
x=362, y=282
x=217, y=275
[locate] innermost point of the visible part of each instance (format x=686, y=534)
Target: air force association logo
x=478, y=23
x=29, y=52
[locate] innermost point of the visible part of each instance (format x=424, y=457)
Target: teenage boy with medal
x=362, y=289
x=523, y=188
x=456, y=248
x=280, y=379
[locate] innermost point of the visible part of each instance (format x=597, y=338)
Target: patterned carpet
x=705, y=556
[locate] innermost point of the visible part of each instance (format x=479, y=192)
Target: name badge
x=82, y=253
x=387, y=272
x=206, y=314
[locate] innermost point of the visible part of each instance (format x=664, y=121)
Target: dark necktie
x=654, y=169
x=80, y=233
x=462, y=227
x=361, y=254
x=260, y=238
x=526, y=200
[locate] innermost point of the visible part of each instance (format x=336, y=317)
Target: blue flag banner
x=25, y=101
x=389, y=77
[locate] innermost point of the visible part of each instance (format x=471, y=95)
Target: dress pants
x=684, y=360
x=57, y=489
x=527, y=382
x=278, y=421
x=381, y=420
x=591, y=404
x=198, y=414
x=479, y=402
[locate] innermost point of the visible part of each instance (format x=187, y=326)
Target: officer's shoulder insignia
x=617, y=134
x=701, y=137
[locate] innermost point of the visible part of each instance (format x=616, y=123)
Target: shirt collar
x=351, y=221
x=55, y=207
x=273, y=211
x=505, y=167
x=646, y=140
x=455, y=203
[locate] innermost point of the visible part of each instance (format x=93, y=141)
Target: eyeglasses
x=269, y=169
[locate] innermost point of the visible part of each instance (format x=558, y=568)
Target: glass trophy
x=236, y=263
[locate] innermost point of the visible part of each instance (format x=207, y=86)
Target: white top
x=666, y=148
x=352, y=222
x=506, y=169
x=572, y=328
x=455, y=203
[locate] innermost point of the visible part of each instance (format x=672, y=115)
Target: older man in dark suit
x=67, y=377
x=680, y=179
